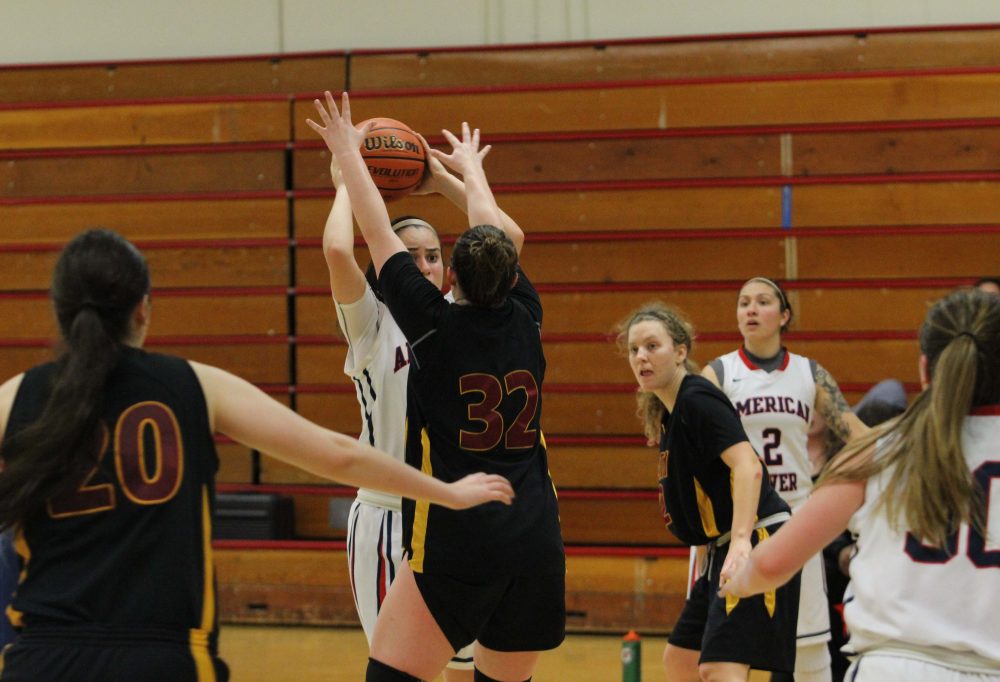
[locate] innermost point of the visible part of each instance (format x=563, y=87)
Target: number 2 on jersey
x=517, y=436
x=771, y=443
x=141, y=425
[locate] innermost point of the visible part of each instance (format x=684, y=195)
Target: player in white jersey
x=926, y=579
x=378, y=360
x=775, y=392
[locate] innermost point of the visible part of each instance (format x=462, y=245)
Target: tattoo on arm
x=832, y=406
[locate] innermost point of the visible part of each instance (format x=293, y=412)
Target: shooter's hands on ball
x=337, y=130
x=466, y=156
x=436, y=177
x=732, y=577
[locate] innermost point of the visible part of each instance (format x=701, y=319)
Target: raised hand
x=466, y=155
x=337, y=130
x=476, y=489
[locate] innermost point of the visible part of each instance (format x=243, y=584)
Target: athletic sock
x=380, y=672
x=479, y=676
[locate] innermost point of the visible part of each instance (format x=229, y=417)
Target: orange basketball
x=394, y=156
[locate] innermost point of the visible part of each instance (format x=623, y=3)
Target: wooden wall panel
x=337, y=411
x=14, y=360
x=185, y=267
x=314, y=315
x=604, y=521
x=935, y=150
x=258, y=363
x=625, y=260
x=681, y=59
x=235, y=463
x=900, y=203
x=312, y=587
x=613, y=522
x=155, y=80
x=916, y=255
x=92, y=174
x=322, y=364
x=596, y=160
x=687, y=105
x=603, y=466
x=142, y=124
x=816, y=309
x=589, y=210
x=147, y=220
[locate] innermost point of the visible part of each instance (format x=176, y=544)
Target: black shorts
x=757, y=631
x=83, y=658
x=510, y=613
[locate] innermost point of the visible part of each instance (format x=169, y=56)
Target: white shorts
x=814, y=607
x=374, y=557
x=877, y=666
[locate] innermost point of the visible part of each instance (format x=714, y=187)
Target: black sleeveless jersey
x=475, y=404
x=129, y=549
x=696, y=494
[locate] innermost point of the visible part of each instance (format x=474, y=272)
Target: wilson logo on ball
x=394, y=156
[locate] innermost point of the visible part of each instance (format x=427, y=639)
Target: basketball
x=394, y=156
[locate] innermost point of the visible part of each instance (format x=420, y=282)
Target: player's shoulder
x=697, y=390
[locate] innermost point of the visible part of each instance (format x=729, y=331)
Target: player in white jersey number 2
x=922, y=492
x=775, y=392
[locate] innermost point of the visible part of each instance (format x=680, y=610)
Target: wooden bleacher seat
x=301, y=586
x=143, y=170
x=685, y=57
x=131, y=80
x=687, y=105
x=118, y=125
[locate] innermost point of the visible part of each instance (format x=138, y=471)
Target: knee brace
x=479, y=676
x=380, y=672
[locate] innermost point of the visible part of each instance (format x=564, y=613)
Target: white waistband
x=763, y=523
x=377, y=498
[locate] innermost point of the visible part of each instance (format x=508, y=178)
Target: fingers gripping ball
x=394, y=156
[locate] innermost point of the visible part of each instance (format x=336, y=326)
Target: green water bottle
x=631, y=657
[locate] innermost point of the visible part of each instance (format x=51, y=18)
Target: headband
x=777, y=289
x=412, y=222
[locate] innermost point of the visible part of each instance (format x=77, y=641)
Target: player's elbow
x=338, y=255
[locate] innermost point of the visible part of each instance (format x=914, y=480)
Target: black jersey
x=696, y=495
x=129, y=550
x=475, y=404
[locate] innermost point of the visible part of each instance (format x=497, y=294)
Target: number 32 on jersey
x=491, y=391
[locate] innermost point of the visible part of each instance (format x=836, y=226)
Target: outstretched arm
x=246, y=414
x=438, y=179
x=347, y=281
x=815, y=525
x=344, y=140
x=467, y=158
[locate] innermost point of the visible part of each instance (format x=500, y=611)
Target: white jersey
x=905, y=597
x=378, y=362
x=775, y=408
